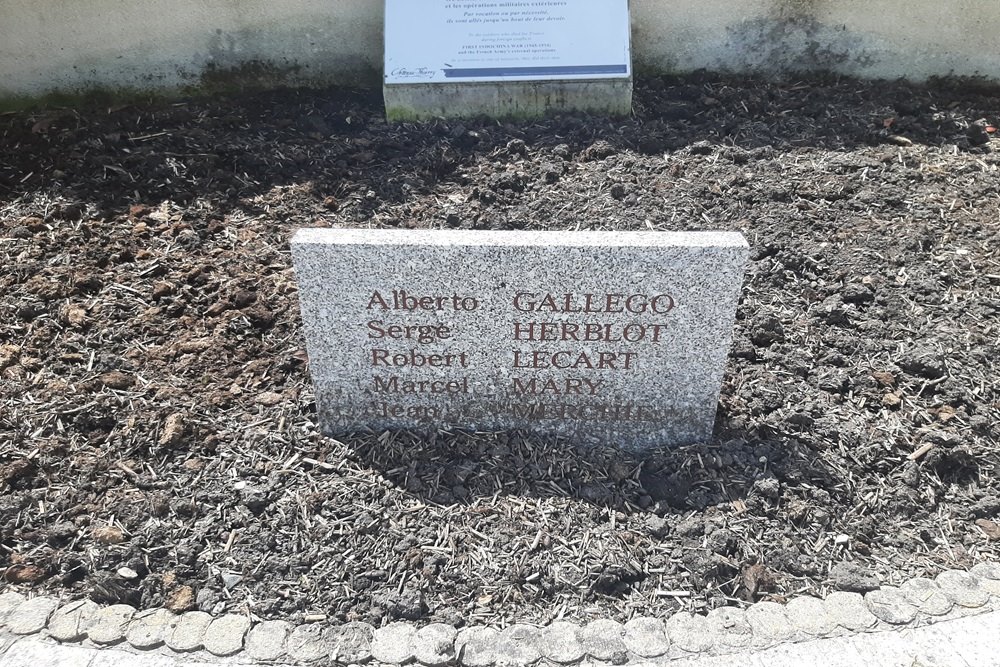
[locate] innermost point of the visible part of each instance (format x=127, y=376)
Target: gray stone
x=307, y=643
x=982, y=570
x=646, y=637
x=188, y=631
x=225, y=635
x=434, y=645
x=476, y=646
x=9, y=601
x=492, y=303
x=266, y=640
x=848, y=610
x=68, y=623
x=517, y=645
x=32, y=615
x=689, y=632
x=769, y=623
x=351, y=643
x=560, y=642
x=926, y=596
x=603, y=639
x=848, y=576
x=108, y=625
x=963, y=588
x=148, y=628
x=729, y=627
x=809, y=616
x=989, y=577
x=394, y=643
x=992, y=586
x=889, y=604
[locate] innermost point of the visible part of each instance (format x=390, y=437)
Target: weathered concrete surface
x=506, y=98
x=914, y=39
x=59, y=46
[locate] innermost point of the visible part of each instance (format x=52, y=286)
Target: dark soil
x=158, y=442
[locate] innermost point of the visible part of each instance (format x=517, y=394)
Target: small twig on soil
x=927, y=446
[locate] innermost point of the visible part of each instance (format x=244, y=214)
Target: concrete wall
x=70, y=46
x=913, y=39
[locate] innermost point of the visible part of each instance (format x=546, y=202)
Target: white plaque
x=433, y=41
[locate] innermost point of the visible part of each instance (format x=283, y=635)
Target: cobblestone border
x=952, y=594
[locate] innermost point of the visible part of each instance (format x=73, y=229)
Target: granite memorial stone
x=604, y=337
x=506, y=58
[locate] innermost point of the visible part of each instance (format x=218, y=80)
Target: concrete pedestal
x=506, y=99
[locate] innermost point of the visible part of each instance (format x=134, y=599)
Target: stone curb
x=728, y=631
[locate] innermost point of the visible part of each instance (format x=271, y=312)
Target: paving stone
x=116, y=658
x=518, y=645
x=975, y=638
x=982, y=570
x=560, y=642
x=9, y=601
x=991, y=584
x=394, y=643
x=148, y=628
x=7, y=640
x=266, y=641
x=188, y=632
x=604, y=640
x=848, y=610
x=769, y=623
x=30, y=652
x=902, y=648
x=225, y=635
x=351, y=643
x=646, y=637
x=689, y=632
x=728, y=660
x=729, y=627
x=963, y=588
x=68, y=623
x=809, y=616
x=32, y=615
x=476, y=646
x=927, y=596
x=108, y=625
x=307, y=643
x=434, y=645
x=889, y=604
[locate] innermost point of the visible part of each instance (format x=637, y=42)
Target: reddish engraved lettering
x=415, y=359
x=637, y=304
x=423, y=333
x=565, y=360
x=402, y=300
x=568, y=386
x=588, y=332
x=394, y=385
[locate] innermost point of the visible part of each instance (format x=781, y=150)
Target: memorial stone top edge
x=392, y=237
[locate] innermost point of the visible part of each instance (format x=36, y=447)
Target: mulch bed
x=158, y=442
